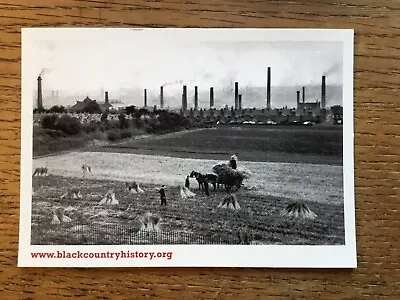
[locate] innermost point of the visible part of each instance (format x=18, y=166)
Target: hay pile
x=59, y=217
x=133, y=188
x=228, y=176
x=40, y=172
x=229, y=202
x=298, y=210
x=150, y=222
x=186, y=193
x=73, y=193
x=109, y=199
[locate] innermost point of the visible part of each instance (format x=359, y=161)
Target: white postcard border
x=274, y=256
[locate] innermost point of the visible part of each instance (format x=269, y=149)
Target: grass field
x=282, y=171
x=320, y=145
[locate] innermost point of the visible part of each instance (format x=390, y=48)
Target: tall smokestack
x=161, y=97
x=323, y=92
x=184, y=98
x=269, y=88
x=304, y=94
x=298, y=97
x=211, y=97
x=39, y=95
x=236, y=95
x=196, y=98
x=240, y=101
x=145, y=97
x=106, y=97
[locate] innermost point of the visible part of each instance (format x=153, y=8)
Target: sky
x=79, y=62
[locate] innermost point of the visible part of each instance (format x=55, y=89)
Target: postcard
x=187, y=148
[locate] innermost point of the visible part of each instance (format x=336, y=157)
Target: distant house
x=82, y=106
x=309, y=108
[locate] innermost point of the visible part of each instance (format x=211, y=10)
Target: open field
x=316, y=144
x=198, y=217
x=274, y=183
x=308, y=182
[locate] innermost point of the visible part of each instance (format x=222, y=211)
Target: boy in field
x=162, y=196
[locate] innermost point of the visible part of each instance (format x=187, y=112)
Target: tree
x=123, y=122
x=58, y=109
x=130, y=110
x=69, y=125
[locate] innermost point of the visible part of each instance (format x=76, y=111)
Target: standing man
x=233, y=162
x=162, y=196
x=187, y=182
x=206, y=188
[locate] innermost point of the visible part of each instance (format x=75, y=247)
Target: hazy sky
x=90, y=60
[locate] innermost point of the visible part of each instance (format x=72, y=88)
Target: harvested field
x=286, y=165
x=197, y=218
x=309, y=182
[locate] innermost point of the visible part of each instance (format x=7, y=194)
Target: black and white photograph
x=187, y=147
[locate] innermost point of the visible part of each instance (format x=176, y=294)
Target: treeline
x=92, y=108
x=140, y=121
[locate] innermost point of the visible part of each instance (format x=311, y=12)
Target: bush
x=90, y=127
x=123, y=122
x=125, y=134
x=58, y=109
x=112, y=136
x=69, y=125
x=49, y=121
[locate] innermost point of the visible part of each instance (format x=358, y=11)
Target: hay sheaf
x=150, y=222
x=298, y=210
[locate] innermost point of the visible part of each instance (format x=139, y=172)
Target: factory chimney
x=211, y=97
x=323, y=93
x=304, y=94
x=161, y=97
x=39, y=95
x=145, y=97
x=196, y=98
x=106, y=97
x=298, y=97
x=236, y=95
x=184, y=98
x=269, y=88
x=240, y=102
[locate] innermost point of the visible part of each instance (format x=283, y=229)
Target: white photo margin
x=274, y=256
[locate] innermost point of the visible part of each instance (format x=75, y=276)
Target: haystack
x=230, y=177
x=59, y=217
x=56, y=220
x=229, y=202
x=40, y=172
x=139, y=190
x=225, y=167
x=74, y=193
x=133, y=188
x=299, y=210
x=86, y=168
x=109, y=199
x=150, y=222
x=186, y=193
x=183, y=194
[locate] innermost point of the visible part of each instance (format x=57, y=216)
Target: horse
x=203, y=178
